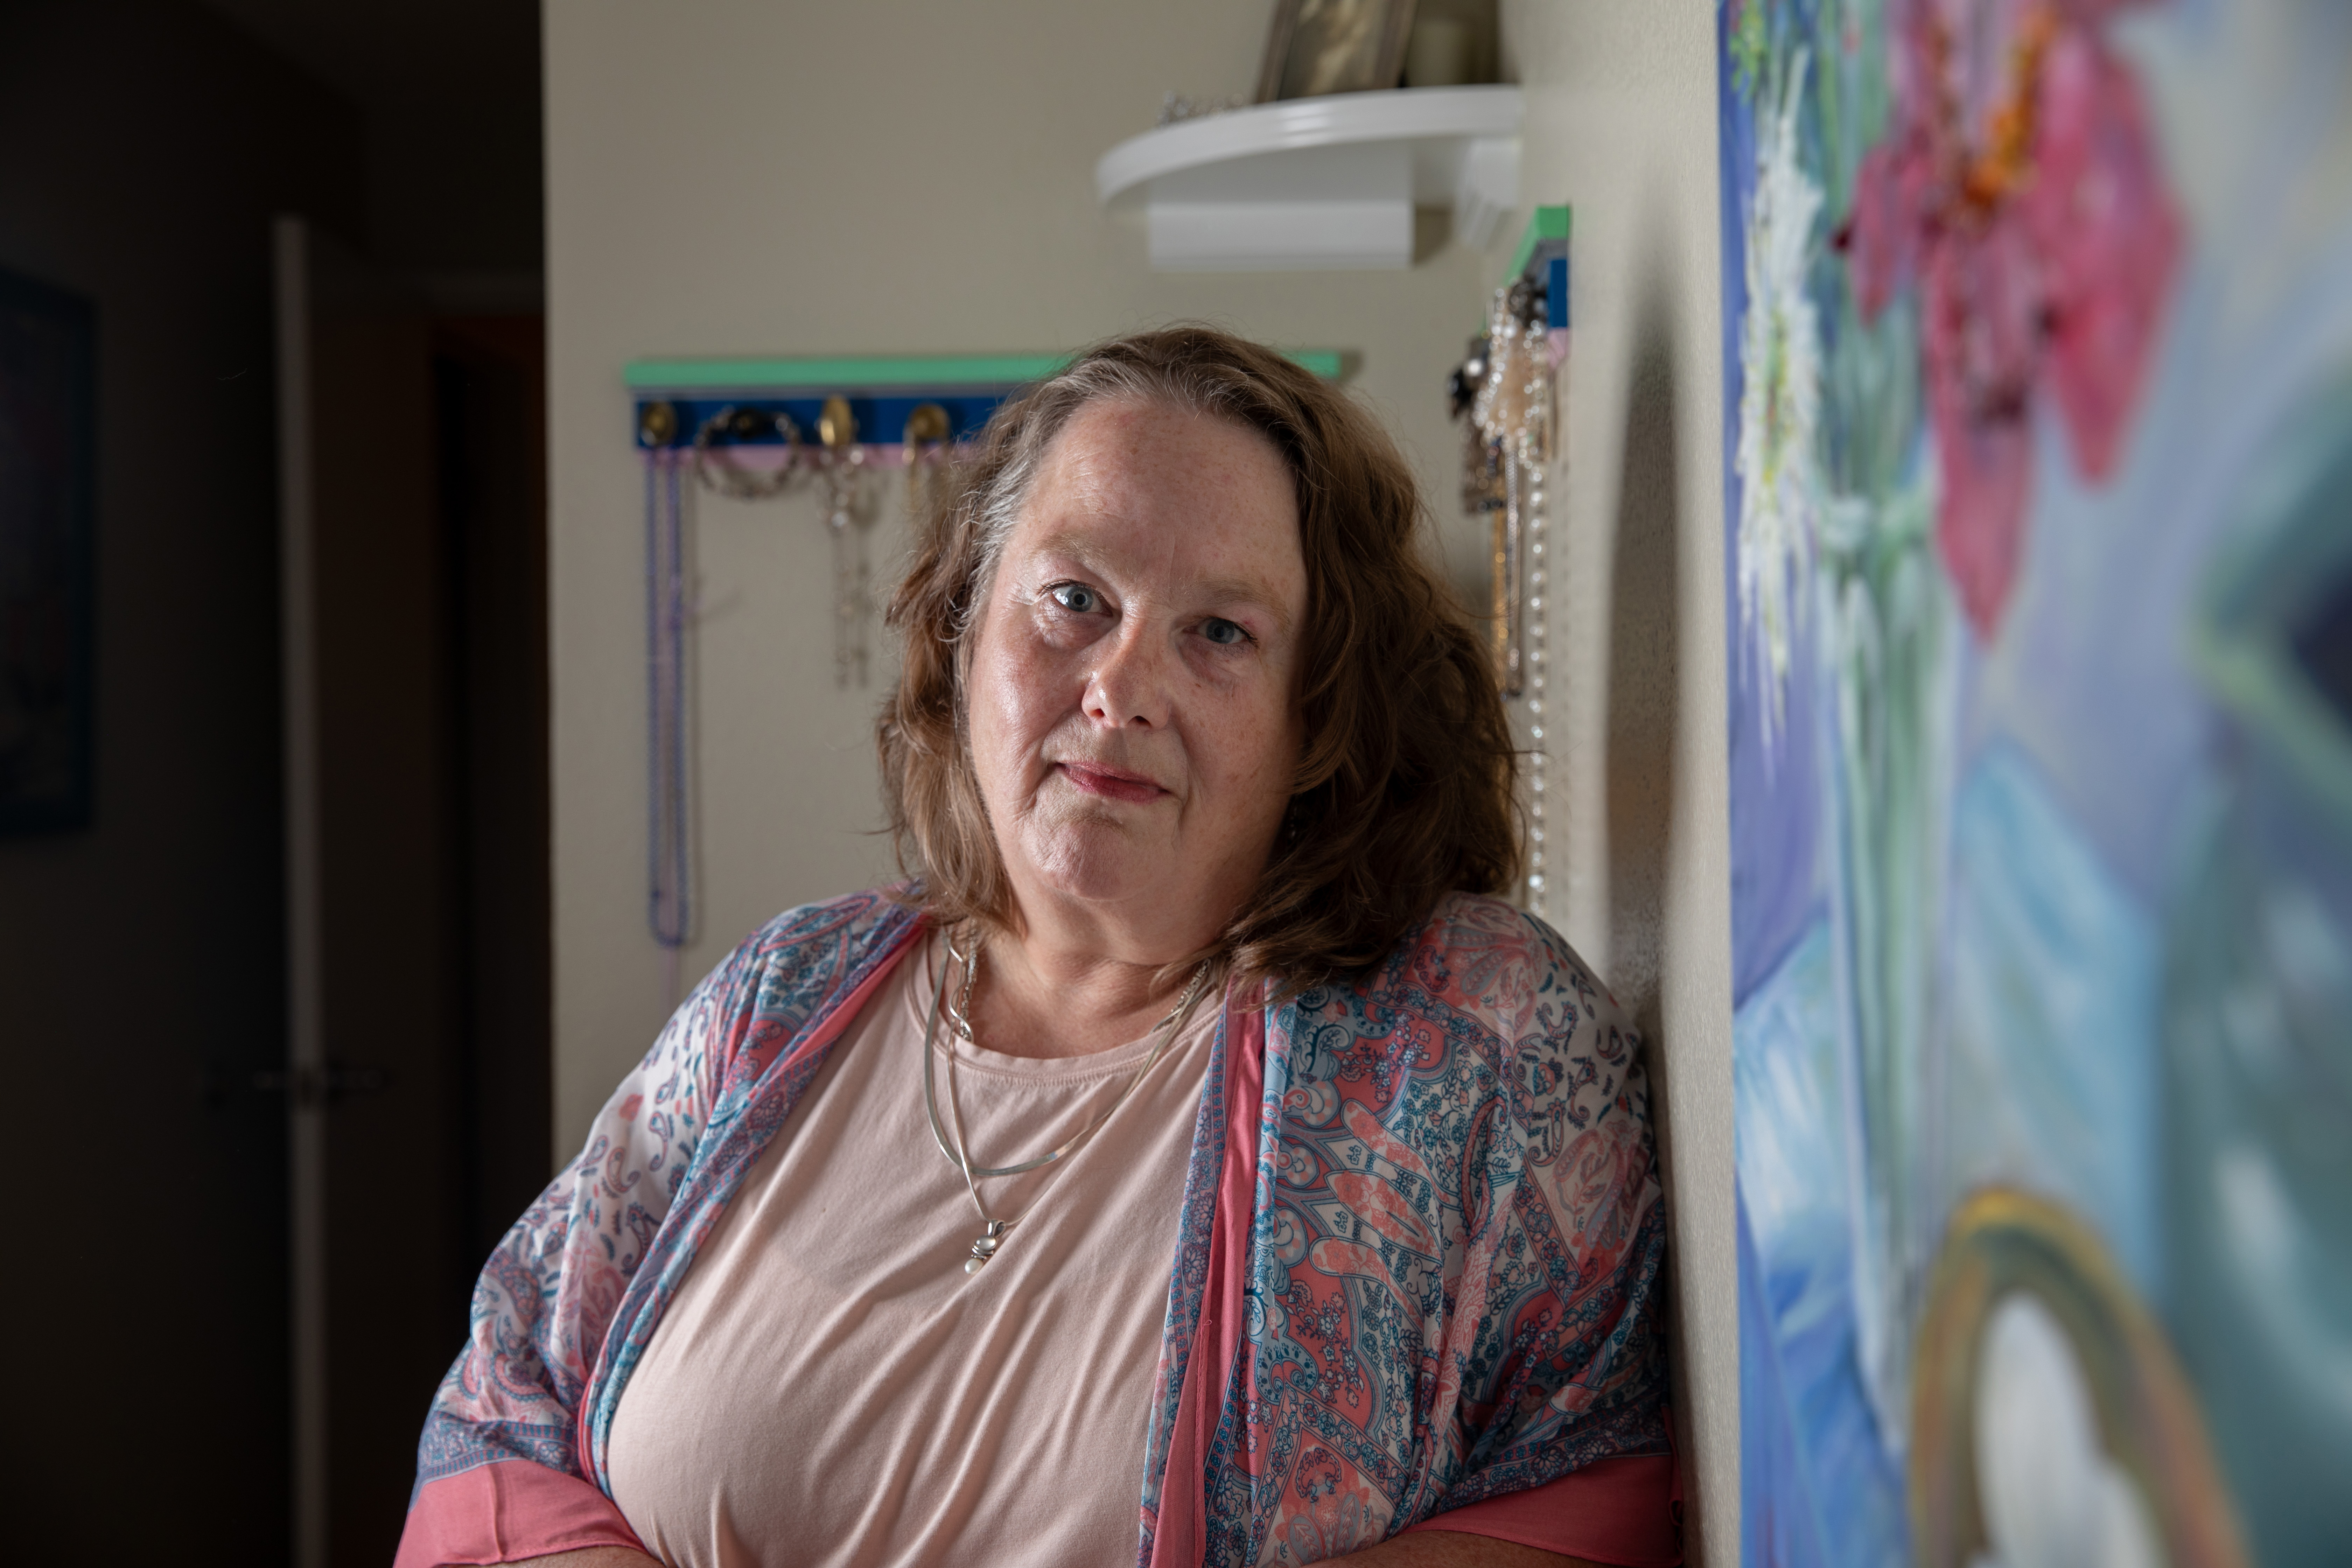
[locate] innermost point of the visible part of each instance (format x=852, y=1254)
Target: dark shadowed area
x=146, y=146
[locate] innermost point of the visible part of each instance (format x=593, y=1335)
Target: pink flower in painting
x=2020, y=185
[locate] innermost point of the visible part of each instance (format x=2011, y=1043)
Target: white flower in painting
x=1780, y=374
x=2052, y=1495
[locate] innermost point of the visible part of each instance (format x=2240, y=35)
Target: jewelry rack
x=1542, y=260
x=1505, y=394
x=674, y=399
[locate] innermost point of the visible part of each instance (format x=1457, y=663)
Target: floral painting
x=2038, y=342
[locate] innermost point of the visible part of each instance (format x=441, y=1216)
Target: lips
x=1110, y=783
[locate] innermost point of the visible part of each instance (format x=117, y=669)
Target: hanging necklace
x=958, y=1152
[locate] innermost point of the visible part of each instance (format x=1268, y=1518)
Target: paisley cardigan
x=1416, y=1272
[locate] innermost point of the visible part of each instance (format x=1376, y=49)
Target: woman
x=1187, y=1131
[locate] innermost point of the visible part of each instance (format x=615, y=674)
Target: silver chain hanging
x=1511, y=414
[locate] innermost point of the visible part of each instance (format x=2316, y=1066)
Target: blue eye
x=1221, y=632
x=1076, y=597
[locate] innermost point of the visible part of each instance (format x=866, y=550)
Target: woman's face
x=1133, y=713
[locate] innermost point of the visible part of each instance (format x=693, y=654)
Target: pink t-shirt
x=829, y=1388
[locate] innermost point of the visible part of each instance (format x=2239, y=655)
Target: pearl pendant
x=985, y=1248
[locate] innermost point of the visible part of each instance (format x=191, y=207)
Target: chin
x=1092, y=857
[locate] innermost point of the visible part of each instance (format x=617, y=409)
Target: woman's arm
x=498, y=1469
x=1427, y=1549
x=1490, y=1051
x=1422, y=1549
x=501, y=1468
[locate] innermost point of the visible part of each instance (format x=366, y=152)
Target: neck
x=1043, y=994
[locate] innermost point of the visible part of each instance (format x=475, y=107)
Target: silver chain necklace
x=958, y=1151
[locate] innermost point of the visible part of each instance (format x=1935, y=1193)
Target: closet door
x=412, y=584
x=373, y=874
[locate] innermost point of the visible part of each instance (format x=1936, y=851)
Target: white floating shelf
x=1314, y=183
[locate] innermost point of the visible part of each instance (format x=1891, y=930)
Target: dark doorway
x=146, y=146
x=418, y=803
x=489, y=437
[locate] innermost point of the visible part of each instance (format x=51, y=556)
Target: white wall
x=1621, y=124
x=740, y=176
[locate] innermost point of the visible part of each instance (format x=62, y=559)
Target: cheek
x=1012, y=704
x=1256, y=746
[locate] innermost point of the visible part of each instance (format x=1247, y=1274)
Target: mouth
x=1109, y=783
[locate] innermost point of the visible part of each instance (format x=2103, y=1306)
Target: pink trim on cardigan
x=1179, y=1537
x=505, y=1512
x=1619, y=1512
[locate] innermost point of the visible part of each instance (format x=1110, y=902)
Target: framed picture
x=47, y=340
x=1334, y=45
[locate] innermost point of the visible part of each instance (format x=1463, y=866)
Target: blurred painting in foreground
x=2037, y=328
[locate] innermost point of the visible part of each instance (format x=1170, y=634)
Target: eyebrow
x=1221, y=590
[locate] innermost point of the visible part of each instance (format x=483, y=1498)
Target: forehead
x=1164, y=482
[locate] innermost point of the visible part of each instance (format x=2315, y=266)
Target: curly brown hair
x=1403, y=789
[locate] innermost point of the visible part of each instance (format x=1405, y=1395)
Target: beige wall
x=740, y=176
x=1621, y=124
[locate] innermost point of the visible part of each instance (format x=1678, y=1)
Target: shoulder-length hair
x=1403, y=787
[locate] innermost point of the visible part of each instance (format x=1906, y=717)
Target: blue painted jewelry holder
x=883, y=393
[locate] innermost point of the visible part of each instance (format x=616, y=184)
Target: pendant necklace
x=958, y=1152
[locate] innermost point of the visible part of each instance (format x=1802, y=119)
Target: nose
x=1129, y=686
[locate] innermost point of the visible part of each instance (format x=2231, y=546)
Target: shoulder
x=1485, y=999
x=842, y=922
x=1498, y=963
x=790, y=968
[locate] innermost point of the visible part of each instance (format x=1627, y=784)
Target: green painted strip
x=1547, y=223
x=873, y=373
